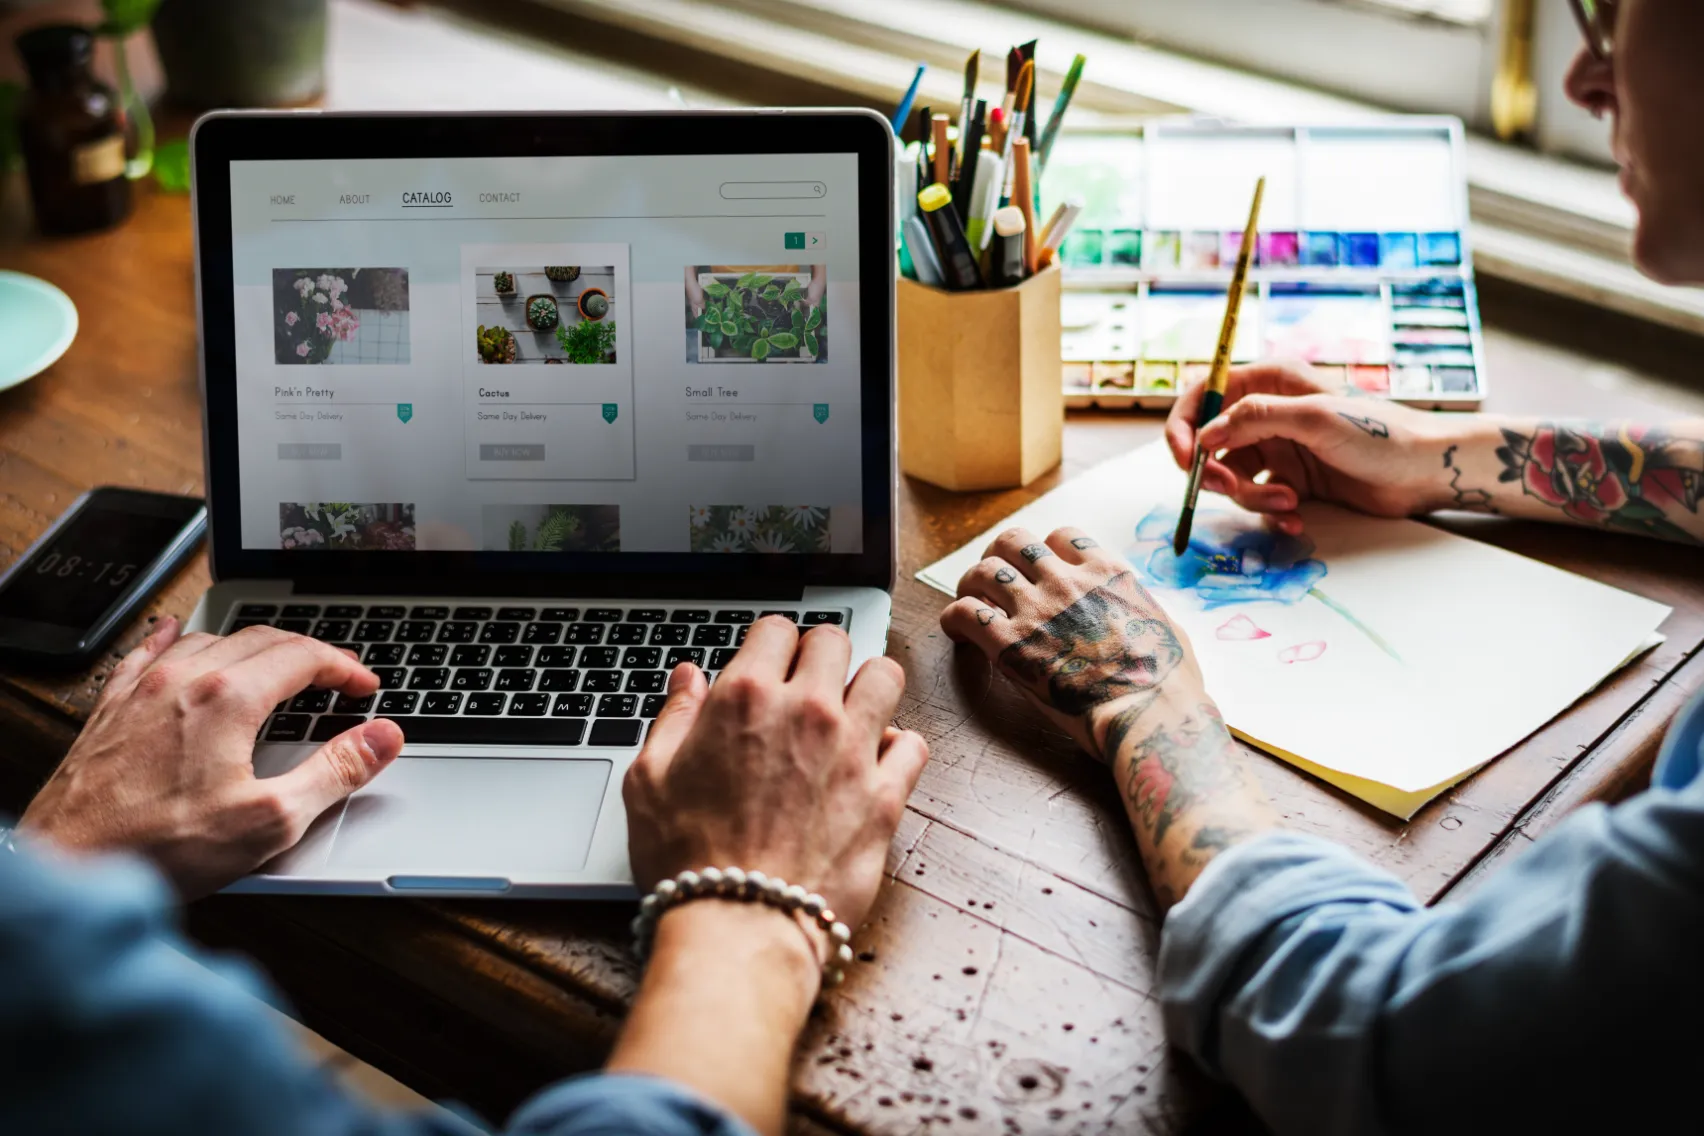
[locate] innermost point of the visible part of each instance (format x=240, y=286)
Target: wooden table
x=1008, y=973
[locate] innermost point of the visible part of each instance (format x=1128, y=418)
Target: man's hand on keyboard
x=781, y=767
x=165, y=765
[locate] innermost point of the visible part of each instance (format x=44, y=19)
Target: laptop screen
x=549, y=355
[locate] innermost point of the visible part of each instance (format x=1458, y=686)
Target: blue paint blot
x=1398, y=250
x=1232, y=559
x=1361, y=250
x=1440, y=248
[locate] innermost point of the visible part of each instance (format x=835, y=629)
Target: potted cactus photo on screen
x=542, y=312
x=503, y=283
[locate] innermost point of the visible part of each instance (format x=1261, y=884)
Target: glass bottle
x=72, y=134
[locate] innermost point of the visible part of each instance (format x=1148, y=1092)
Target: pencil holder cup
x=981, y=405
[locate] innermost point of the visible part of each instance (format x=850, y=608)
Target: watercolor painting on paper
x=1233, y=558
x=1373, y=652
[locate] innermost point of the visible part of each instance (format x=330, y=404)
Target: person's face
x=1652, y=87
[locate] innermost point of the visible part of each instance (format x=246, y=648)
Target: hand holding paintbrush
x=1213, y=397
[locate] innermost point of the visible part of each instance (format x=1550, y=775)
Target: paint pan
x=1358, y=250
x=1200, y=251
x=1083, y=248
x=1373, y=380
x=1410, y=381
x=1440, y=248
x=1280, y=250
x=1115, y=376
x=1319, y=250
x=1399, y=250
x=1159, y=378
x=1160, y=250
x=1124, y=248
x=1456, y=380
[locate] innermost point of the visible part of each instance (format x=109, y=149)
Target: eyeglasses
x=1597, y=22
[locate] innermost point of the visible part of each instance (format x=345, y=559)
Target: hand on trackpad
x=460, y=817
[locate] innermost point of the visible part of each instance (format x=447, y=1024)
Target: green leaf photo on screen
x=759, y=316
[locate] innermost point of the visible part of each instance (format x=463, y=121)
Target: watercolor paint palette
x=1362, y=266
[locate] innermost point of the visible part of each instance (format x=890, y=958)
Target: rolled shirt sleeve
x=1563, y=993
x=111, y=1023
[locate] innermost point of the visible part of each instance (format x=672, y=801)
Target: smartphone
x=87, y=577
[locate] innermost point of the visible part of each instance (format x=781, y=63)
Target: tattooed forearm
x=1176, y=766
x=1111, y=643
x=1615, y=475
x=1183, y=780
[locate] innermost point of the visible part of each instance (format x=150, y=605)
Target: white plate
x=37, y=324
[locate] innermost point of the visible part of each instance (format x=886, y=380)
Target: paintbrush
x=1027, y=52
x=1213, y=396
x=971, y=67
x=1026, y=86
x=1057, y=116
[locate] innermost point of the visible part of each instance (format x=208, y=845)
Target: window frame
x=1348, y=47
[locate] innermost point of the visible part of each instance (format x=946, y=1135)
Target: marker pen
x=959, y=272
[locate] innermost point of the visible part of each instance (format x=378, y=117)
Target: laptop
x=525, y=410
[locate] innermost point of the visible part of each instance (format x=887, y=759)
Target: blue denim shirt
x=1564, y=994
x=109, y=1024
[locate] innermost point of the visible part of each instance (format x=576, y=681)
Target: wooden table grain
x=1007, y=975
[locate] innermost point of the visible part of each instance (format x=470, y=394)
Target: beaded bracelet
x=746, y=887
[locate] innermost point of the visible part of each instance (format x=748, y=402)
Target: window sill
x=1543, y=222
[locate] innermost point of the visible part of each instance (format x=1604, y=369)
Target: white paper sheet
x=1401, y=655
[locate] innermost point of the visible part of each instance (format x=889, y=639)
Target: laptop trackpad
x=474, y=817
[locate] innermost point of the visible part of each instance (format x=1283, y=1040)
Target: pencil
x=903, y=112
x=1213, y=397
x=1024, y=199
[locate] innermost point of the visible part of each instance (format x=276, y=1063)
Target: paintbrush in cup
x=1213, y=396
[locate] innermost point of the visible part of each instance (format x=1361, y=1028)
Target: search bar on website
x=771, y=190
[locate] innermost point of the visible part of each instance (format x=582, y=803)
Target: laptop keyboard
x=490, y=674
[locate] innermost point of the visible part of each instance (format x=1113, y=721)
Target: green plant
x=542, y=314
x=565, y=526
x=496, y=345
x=503, y=283
x=758, y=317
x=562, y=275
x=587, y=341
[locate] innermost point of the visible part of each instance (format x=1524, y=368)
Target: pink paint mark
x=1302, y=652
x=1241, y=627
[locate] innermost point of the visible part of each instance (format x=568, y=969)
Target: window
x=1428, y=56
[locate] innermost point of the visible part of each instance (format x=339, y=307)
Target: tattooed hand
x=1314, y=441
x=1067, y=621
